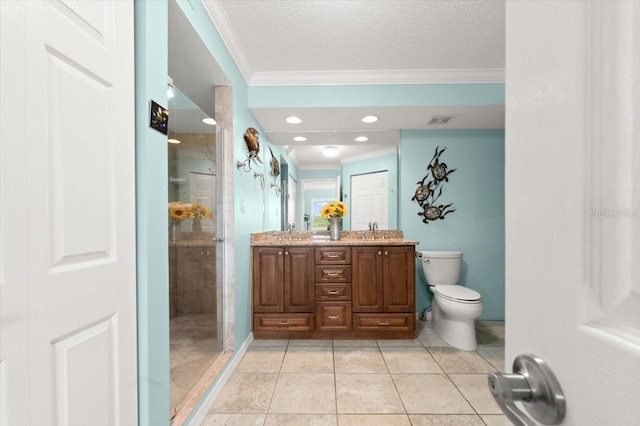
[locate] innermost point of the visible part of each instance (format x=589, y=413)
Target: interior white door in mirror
x=369, y=201
x=67, y=269
x=203, y=189
x=573, y=201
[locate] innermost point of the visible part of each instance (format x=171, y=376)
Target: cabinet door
x=399, y=279
x=299, y=286
x=268, y=279
x=366, y=270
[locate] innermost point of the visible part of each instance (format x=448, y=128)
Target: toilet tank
x=441, y=267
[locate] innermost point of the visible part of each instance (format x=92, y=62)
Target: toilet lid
x=457, y=292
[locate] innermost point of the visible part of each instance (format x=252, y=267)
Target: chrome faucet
x=374, y=228
x=291, y=227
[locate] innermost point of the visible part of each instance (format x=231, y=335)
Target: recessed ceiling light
x=210, y=121
x=299, y=138
x=330, y=151
x=293, y=120
x=361, y=139
x=173, y=141
x=369, y=119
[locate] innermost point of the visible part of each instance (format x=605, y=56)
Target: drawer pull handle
x=333, y=274
x=281, y=322
x=333, y=256
x=383, y=323
x=334, y=292
x=333, y=317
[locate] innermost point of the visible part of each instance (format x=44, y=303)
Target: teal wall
x=388, y=163
x=477, y=228
x=476, y=190
x=151, y=216
x=378, y=95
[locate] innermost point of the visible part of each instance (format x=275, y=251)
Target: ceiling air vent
x=441, y=119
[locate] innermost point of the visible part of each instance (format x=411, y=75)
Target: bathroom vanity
x=354, y=288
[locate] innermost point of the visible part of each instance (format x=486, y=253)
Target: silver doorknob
x=534, y=384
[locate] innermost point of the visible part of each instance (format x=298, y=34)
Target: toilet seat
x=457, y=293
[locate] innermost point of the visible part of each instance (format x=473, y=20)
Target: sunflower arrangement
x=333, y=209
x=179, y=210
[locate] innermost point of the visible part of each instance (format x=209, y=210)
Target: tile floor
x=194, y=346
x=422, y=381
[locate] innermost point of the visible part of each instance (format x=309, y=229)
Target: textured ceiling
x=302, y=42
x=339, y=35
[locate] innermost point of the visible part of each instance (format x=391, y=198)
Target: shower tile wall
x=192, y=278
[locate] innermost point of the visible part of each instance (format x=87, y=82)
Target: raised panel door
x=298, y=279
x=268, y=280
x=367, y=279
x=399, y=278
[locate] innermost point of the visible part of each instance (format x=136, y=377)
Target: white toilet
x=454, y=308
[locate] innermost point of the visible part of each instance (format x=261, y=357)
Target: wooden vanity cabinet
x=283, y=288
x=333, y=288
x=383, y=281
x=342, y=291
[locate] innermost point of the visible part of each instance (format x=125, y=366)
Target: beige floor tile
x=492, y=327
x=494, y=356
x=301, y=420
x=373, y=420
x=270, y=342
x=399, y=342
x=430, y=394
x=316, y=359
x=246, y=393
x=457, y=361
x=409, y=360
x=367, y=394
x=358, y=360
x=310, y=342
x=304, y=393
x=355, y=342
x=475, y=390
x=234, y=420
x=429, y=338
x=495, y=420
x=488, y=339
x=445, y=420
x=262, y=359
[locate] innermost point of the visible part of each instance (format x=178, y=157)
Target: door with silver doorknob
x=572, y=206
x=532, y=384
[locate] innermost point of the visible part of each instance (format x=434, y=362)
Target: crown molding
x=222, y=24
x=369, y=155
x=361, y=77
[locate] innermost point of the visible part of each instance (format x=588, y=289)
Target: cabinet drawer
x=283, y=322
x=384, y=322
x=333, y=316
x=336, y=273
x=333, y=255
x=333, y=292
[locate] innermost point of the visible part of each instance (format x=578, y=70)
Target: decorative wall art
x=430, y=189
x=275, y=172
x=251, y=138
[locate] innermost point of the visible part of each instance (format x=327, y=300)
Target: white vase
x=334, y=228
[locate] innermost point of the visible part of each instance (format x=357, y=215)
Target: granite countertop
x=350, y=238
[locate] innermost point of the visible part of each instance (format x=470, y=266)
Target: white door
x=203, y=189
x=573, y=201
x=292, y=191
x=369, y=201
x=67, y=258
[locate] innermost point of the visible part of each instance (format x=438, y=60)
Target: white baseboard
x=212, y=394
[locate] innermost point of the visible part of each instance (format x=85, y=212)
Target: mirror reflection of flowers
x=333, y=209
x=179, y=210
